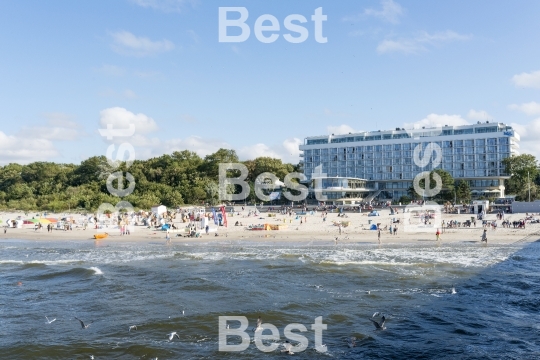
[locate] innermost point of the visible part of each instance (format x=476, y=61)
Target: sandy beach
x=298, y=229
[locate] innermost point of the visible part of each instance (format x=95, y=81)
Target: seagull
x=50, y=321
x=227, y=326
x=379, y=326
x=454, y=290
x=132, y=327
x=288, y=348
x=91, y=357
x=172, y=335
x=321, y=348
x=351, y=342
x=259, y=325
x=376, y=314
x=82, y=324
x=182, y=312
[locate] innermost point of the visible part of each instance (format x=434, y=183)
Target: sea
x=186, y=287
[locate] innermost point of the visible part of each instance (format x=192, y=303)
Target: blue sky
x=68, y=67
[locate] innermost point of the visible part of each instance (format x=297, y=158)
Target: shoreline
x=300, y=229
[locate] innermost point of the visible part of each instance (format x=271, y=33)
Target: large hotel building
x=376, y=165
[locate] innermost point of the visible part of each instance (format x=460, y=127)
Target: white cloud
x=421, y=42
x=390, y=11
x=25, y=149
x=126, y=43
x=478, y=115
x=257, y=150
x=121, y=118
x=59, y=127
x=529, y=134
x=292, y=152
x=531, y=79
x=437, y=120
x=340, y=129
x=531, y=108
x=165, y=5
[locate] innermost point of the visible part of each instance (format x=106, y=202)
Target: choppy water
x=493, y=314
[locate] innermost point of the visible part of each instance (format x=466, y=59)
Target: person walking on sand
x=438, y=235
x=379, y=235
x=484, y=236
x=395, y=230
x=339, y=228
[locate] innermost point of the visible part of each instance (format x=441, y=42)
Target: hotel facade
x=379, y=165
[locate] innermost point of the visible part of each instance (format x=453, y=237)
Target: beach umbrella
x=44, y=221
x=53, y=220
x=31, y=221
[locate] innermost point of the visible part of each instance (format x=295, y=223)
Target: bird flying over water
x=50, y=321
x=132, y=327
x=173, y=335
x=259, y=325
x=288, y=348
x=379, y=326
x=82, y=323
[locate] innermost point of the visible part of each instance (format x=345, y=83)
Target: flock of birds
x=380, y=325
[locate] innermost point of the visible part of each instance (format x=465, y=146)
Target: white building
x=379, y=164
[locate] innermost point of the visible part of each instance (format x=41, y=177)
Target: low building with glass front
x=382, y=161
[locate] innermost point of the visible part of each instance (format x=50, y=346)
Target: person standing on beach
x=438, y=235
x=339, y=228
x=379, y=235
x=395, y=230
x=484, y=236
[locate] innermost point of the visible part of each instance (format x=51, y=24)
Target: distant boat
x=101, y=236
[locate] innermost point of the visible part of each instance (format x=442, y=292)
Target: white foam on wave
x=11, y=262
x=97, y=271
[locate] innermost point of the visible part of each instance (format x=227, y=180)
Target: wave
x=97, y=271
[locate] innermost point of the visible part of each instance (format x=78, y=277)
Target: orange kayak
x=101, y=236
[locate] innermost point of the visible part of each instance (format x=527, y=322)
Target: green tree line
x=182, y=177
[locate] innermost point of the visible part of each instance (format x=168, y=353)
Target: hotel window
x=397, y=161
x=387, y=161
x=378, y=147
x=458, y=151
x=447, y=166
x=480, y=149
x=407, y=154
x=492, y=165
x=407, y=176
x=480, y=157
x=333, y=151
x=397, y=154
x=469, y=157
x=469, y=150
x=369, y=148
x=447, y=151
x=377, y=169
x=481, y=165
x=458, y=158
x=368, y=156
x=407, y=146
x=359, y=149
x=368, y=170
x=492, y=141
x=480, y=172
x=378, y=155
x=492, y=157
x=493, y=172
x=492, y=149
x=407, y=160
x=469, y=165
x=447, y=144
x=448, y=159
x=469, y=143
x=359, y=138
x=503, y=141
x=458, y=173
x=387, y=147
x=479, y=142
x=458, y=143
x=504, y=148
x=469, y=173
x=387, y=136
x=397, y=147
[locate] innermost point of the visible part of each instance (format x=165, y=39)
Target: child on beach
x=438, y=235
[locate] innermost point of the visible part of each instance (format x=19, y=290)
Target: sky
x=69, y=68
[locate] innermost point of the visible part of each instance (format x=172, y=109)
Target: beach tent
x=165, y=227
x=373, y=227
x=159, y=209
